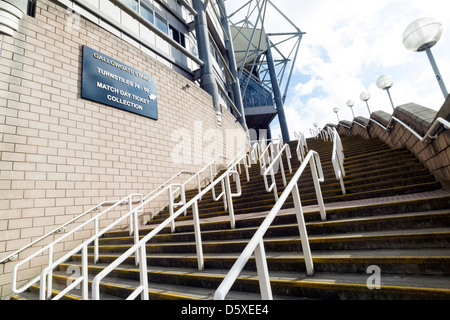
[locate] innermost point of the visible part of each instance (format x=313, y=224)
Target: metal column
x=208, y=80
x=277, y=93
x=232, y=65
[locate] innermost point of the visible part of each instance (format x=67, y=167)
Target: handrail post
x=198, y=237
x=50, y=273
x=230, y=201
x=302, y=230
x=84, y=270
x=312, y=162
x=172, y=224
x=263, y=272
x=130, y=207
x=136, y=236
x=42, y=289
x=96, y=227
x=143, y=271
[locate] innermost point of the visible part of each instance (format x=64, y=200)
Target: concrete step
x=296, y=284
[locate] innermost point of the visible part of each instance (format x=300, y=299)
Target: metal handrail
x=428, y=135
x=62, y=228
x=46, y=275
x=256, y=244
x=337, y=159
x=133, y=223
x=50, y=247
x=302, y=146
x=270, y=169
x=139, y=248
x=269, y=152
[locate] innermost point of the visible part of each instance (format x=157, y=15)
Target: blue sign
x=113, y=83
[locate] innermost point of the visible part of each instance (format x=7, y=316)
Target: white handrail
x=337, y=159
x=133, y=225
x=256, y=244
x=269, y=152
x=428, y=135
x=50, y=247
x=270, y=169
x=302, y=146
x=140, y=247
x=60, y=229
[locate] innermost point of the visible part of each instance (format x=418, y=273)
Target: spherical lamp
x=365, y=96
x=385, y=82
x=422, y=35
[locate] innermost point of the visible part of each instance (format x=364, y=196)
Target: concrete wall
x=433, y=153
x=60, y=155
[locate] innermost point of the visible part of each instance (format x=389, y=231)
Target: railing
x=337, y=159
x=63, y=227
x=272, y=169
x=139, y=249
x=269, y=151
x=302, y=146
x=133, y=223
x=428, y=135
x=50, y=247
x=256, y=244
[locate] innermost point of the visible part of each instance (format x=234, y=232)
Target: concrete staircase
x=387, y=238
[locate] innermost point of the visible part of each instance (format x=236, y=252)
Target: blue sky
x=350, y=43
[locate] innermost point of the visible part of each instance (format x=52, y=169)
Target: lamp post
x=365, y=96
x=350, y=104
x=422, y=35
x=336, y=110
x=385, y=83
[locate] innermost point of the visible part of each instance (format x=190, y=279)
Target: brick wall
x=433, y=153
x=60, y=155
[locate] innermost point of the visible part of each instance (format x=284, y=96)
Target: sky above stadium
x=349, y=44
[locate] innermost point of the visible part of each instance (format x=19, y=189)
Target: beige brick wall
x=60, y=155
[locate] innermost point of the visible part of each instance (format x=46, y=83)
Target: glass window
x=177, y=35
x=174, y=33
x=161, y=23
x=147, y=13
x=133, y=4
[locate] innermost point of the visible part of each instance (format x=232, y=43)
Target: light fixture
x=185, y=87
x=365, y=96
x=336, y=110
x=422, y=35
x=350, y=104
x=385, y=82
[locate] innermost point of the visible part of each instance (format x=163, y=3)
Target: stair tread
x=418, y=253
x=358, y=236
x=323, y=278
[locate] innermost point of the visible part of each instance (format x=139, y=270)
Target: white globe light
x=364, y=96
x=422, y=34
x=336, y=110
x=350, y=103
x=385, y=82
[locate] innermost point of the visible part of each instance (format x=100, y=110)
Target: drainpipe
x=207, y=78
x=232, y=65
x=277, y=93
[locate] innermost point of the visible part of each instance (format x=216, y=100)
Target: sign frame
x=113, y=83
